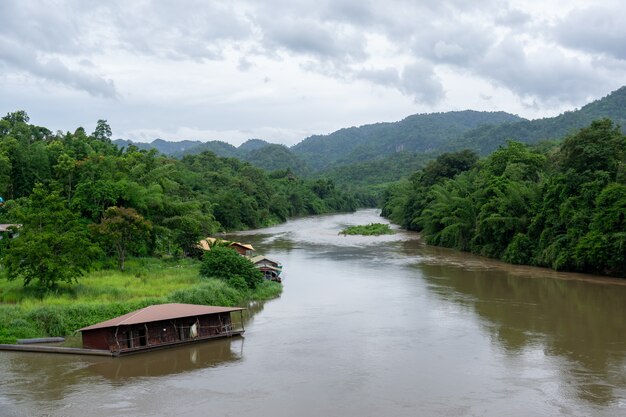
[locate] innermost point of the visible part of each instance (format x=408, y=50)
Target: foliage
x=489, y=137
x=183, y=200
x=562, y=207
x=418, y=133
x=124, y=230
x=372, y=229
x=226, y=264
x=53, y=244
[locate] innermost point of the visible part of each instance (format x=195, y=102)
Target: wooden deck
x=124, y=352
x=56, y=349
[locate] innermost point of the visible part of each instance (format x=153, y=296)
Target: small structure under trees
x=271, y=269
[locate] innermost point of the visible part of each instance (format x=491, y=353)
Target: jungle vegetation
x=561, y=206
x=82, y=201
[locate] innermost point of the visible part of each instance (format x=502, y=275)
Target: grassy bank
x=101, y=295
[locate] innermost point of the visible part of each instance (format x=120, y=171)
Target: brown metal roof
x=161, y=312
x=243, y=245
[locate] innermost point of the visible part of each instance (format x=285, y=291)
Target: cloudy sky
x=281, y=70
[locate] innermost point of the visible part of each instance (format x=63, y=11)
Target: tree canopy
x=90, y=181
x=563, y=208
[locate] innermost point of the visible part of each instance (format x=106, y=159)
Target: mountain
x=218, y=147
x=417, y=133
x=163, y=146
x=421, y=134
x=252, y=145
x=486, y=139
x=273, y=157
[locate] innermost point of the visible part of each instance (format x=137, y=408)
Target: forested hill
x=63, y=188
x=417, y=133
x=431, y=134
x=564, y=208
x=367, y=157
x=487, y=139
x=259, y=153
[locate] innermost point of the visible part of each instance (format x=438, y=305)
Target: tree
x=225, y=263
x=448, y=165
x=53, y=243
x=103, y=131
x=124, y=230
x=599, y=147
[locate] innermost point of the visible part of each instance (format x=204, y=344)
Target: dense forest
x=80, y=198
x=488, y=138
x=561, y=206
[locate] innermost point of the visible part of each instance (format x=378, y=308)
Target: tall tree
x=53, y=243
x=125, y=231
x=103, y=131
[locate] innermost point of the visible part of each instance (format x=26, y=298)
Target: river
x=366, y=326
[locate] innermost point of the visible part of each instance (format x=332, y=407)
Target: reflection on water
x=171, y=361
x=580, y=322
x=366, y=326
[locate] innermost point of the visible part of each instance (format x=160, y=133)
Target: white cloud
x=598, y=29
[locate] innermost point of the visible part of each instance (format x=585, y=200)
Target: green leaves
x=568, y=215
x=226, y=264
x=53, y=244
x=125, y=231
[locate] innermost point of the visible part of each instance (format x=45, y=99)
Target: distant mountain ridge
x=417, y=133
x=430, y=134
x=488, y=138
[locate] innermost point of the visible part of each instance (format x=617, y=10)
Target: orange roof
x=243, y=245
x=161, y=312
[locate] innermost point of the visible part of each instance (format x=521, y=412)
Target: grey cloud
x=458, y=44
x=512, y=18
x=384, y=77
x=51, y=28
x=597, y=29
x=54, y=70
x=420, y=81
x=311, y=37
x=179, y=30
x=542, y=75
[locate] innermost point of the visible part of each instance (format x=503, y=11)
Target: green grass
x=29, y=312
x=372, y=229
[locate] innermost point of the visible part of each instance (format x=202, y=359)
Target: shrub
x=225, y=263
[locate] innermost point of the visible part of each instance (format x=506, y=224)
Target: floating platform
x=56, y=349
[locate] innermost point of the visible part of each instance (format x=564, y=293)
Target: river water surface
x=366, y=326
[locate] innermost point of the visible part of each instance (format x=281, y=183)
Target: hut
x=271, y=269
x=243, y=249
x=160, y=326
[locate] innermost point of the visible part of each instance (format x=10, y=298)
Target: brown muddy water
x=366, y=326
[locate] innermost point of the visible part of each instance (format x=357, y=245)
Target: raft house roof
x=243, y=245
x=205, y=244
x=161, y=312
x=259, y=258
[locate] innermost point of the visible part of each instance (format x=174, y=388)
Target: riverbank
x=101, y=295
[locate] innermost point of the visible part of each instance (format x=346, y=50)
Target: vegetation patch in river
x=372, y=229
